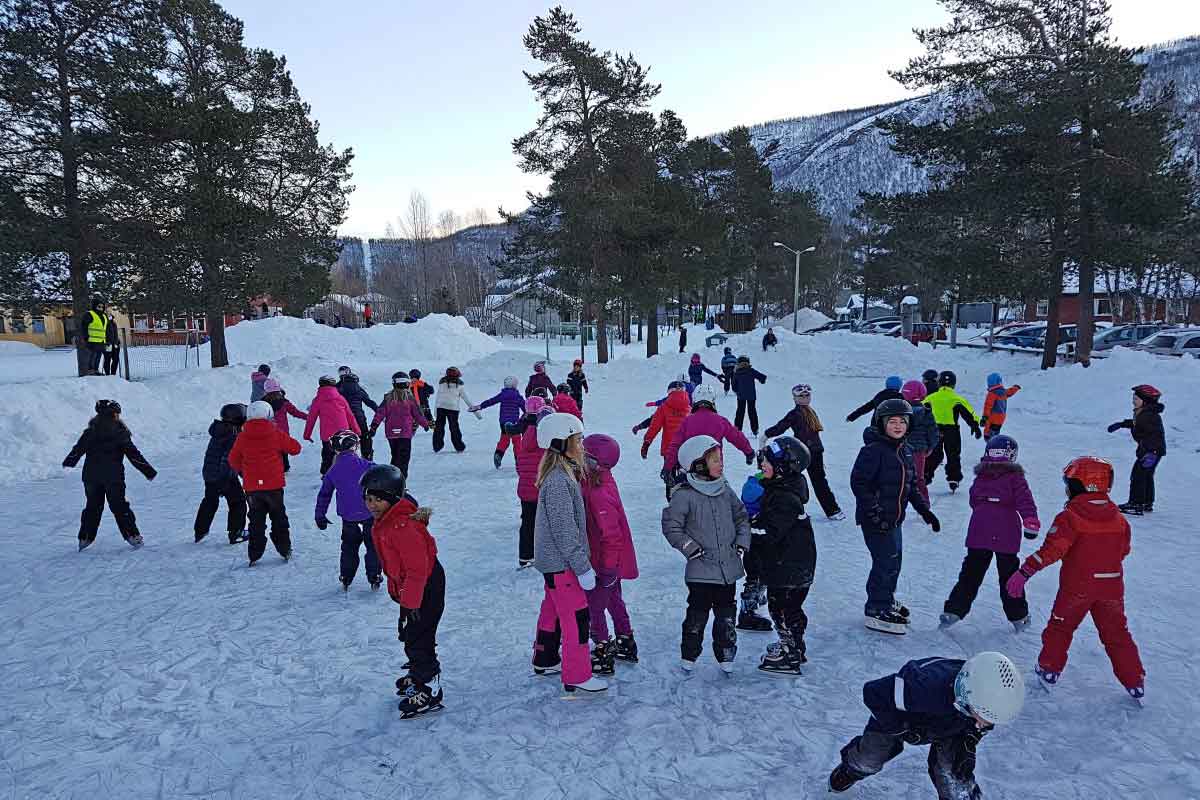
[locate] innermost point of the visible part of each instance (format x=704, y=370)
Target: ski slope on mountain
x=176, y=671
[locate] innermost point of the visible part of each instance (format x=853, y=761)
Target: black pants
x=235, y=498
x=420, y=635
x=445, y=416
x=95, y=356
x=746, y=405
x=786, y=605
x=578, y=398
x=525, y=543
x=727, y=373
x=354, y=536
x=949, y=448
x=754, y=591
x=365, y=445
x=970, y=577
x=820, y=484
x=401, y=453
x=262, y=505
x=953, y=775
x=1141, y=485
x=111, y=360
x=703, y=598
x=327, y=455
x=97, y=494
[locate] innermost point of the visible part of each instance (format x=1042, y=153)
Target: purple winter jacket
x=1000, y=502
x=512, y=405
x=343, y=478
x=399, y=419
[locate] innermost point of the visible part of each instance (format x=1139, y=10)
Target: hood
x=997, y=468
x=1094, y=506
x=709, y=488
x=872, y=436
x=1156, y=406
x=351, y=378
x=222, y=430
x=259, y=430
x=787, y=483
x=327, y=392
x=406, y=508
x=994, y=379
x=678, y=401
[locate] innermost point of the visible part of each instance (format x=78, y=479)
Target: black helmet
x=415, y=374
x=344, y=370
x=787, y=455
x=383, y=481
x=400, y=378
x=947, y=378
x=728, y=351
x=743, y=359
x=676, y=385
x=343, y=441
x=327, y=380
x=540, y=391
x=234, y=412
x=97, y=301
x=892, y=408
x=563, y=388
x=930, y=375
x=108, y=408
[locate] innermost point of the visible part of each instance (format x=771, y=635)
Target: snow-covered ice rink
x=175, y=671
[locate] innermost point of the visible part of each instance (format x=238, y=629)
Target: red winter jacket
x=528, y=458
x=406, y=550
x=565, y=404
x=334, y=413
x=258, y=455
x=668, y=418
x=1091, y=537
x=609, y=537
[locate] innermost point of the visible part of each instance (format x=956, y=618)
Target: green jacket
x=948, y=405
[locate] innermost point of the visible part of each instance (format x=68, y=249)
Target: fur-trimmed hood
x=998, y=468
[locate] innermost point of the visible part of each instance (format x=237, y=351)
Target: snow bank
x=19, y=349
x=809, y=318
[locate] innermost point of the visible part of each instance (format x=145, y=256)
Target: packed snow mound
x=808, y=318
x=438, y=337
x=19, y=349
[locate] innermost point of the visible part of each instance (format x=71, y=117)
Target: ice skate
x=1132, y=509
x=135, y=541
x=591, y=687
x=603, y=656
x=842, y=779
x=837, y=515
x=948, y=620
x=85, y=544
x=200, y=536
x=726, y=667
x=1046, y=679
x=1020, y=625
x=553, y=669
x=375, y=582
x=421, y=699
x=687, y=666
x=498, y=458
x=901, y=610
x=345, y=584
x=524, y=563
x=749, y=621
x=953, y=486
x=780, y=660
x=237, y=537
x=626, y=648
x=886, y=622
x=1138, y=693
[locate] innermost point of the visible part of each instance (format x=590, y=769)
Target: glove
x=1116, y=426
x=1149, y=460
x=587, y=581
x=645, y=450
x=472, y=409
x=322, y=522
x=978, y=434
x=964, y=757
x=1016, y=583
x=1031, y=527
x=913, y=737
x=749, y=459
x=932, y=521
x=849, y=418
x=875, y=520
x=741, y=551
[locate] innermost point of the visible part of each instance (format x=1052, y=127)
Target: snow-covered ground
x=175, y=671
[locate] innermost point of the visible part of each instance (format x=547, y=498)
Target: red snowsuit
x=257, y=455
x=406, y=551
x=1091, y=537
x=669, y=416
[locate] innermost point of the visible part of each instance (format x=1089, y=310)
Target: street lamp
x=796, y=286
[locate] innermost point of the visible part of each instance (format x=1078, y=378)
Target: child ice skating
x=540, y=380
x=946, y=703
x=923, y=434
x=400, y=415
x=995, y=405
x=258, y=380
x=104, y=445
x=578, y=383
x=422, y=391
x=708, y=524
x=728, y=367
x=769, y=340
x=890, y=391
x=562, y=555
x=415, y=580
x=512, y=407
x=1147, y=430
x=806, y=426
x=343, y=479
x=283, y=408
x=744, y=377
x=451, y=396
x=527, y=456
x=349, y=387
x=1091, y=538
x=219, y=478
x=611, y=553
x=705, y=421
x=667, y=419
x=884, y=484
x=697, y=369
x=948, y=407
x=257, y=455
x=333, y=412
x=1001, y=508
x=563, y=402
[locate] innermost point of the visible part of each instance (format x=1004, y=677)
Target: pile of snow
x=808, y=318
x=19, y=349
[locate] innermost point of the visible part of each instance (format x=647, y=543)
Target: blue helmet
x=893, y=382
x=995, y=379
x=1001, y=448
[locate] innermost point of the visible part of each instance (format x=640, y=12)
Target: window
x=18, y=325
x=141, y=323
x=1043, y=308
x=180, y=324
x=1162, y=341
x=1192, y=343
x=1102, y=306
x=39, y=325
x=199, y=323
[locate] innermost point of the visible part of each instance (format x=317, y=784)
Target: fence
x=150, y=354
x=343, y=314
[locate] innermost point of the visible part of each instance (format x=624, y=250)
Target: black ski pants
x=366, y=445
x=327, y=455
x=1141, y=485
x=525, y=542
x=970, y=577
x=446, y=417
x=235, y=499
x=703, y=598
x=727, y=378
x=948, y=448
x=786, y=606
x=820, y=483
x=951, y=761
x=747, y=405
x=262, y=505
x=96, y=494
x=354, y=536
x=401, y=453
x=419, y=632
x=112, y=358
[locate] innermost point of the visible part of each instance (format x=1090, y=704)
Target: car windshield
x=1161, y=341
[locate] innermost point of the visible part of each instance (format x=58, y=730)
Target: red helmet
x=1147, y=392
x=1094, y=475
x=579, y=362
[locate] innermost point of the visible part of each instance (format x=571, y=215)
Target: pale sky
x=431, y=95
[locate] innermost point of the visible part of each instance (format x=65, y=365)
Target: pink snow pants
x=564, y=619
x=919, y=457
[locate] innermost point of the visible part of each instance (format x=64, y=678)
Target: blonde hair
x=398, y=394
x=810, y=416
x=552, y=460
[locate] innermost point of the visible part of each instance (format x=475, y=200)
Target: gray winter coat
x=717, y=525
x=560, y=528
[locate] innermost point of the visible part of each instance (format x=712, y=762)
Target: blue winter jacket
x=512, y=405
x=743, y=383
x=343, y=478
x=728, y=362
x=923, y=433
x=918, y=700
x=696, y=373
x=216, y=456
x=884, y=481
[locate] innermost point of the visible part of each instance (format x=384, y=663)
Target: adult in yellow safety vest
x=97, y=334
x=948, y=406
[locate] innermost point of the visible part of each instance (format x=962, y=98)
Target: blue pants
x=355, y=534
x=886, y=552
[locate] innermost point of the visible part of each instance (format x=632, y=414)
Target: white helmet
x=705, y=393
x=989, y=686
x=260, y=409
x=510, y=382
x=694, y=449
x=554, y=430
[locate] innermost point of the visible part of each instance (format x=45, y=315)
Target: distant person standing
x=368, y=315
x=97, y=335
x=112, y=346
x=682, y=338
x=265, y=309
x=769, y=339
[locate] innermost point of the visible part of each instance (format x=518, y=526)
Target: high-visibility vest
x=97, y=329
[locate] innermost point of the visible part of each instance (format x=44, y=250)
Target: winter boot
x=886, y=622
x=421, y=699
x=749, y=621
x=1046, y=678
x=947, y=620
x=592, y=686
x=842, y=778
x=375, y=582
x=603, y=655
x=237, y=537
x=1020, y=625
x=498, y=458
x=200, y=536
x=627, y=648
x=781, y=659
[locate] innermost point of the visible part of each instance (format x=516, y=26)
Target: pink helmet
x=913, y=391
x=604, y=449
x=695, y=358
x=540, y=366
x=271, y=385
x=534, y=404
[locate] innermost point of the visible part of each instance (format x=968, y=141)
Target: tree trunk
x=601, y=335
x=641, y=322
x=728, y=304
x=704, y=301
x=76, y=248
x=218, y=352
x=651, y=330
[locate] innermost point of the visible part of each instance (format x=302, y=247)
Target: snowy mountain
x=840, y=154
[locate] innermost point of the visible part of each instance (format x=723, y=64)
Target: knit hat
x=893, y=382
x=271, y=385
x=695, y=358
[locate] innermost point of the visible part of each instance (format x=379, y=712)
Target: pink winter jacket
x=705, y=422
x=399, y=419
x=565, y=404
x=333, y=411
x=611, y=541
x=281, y=415
x=529, y=458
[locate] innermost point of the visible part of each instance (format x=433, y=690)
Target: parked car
x=1126, y=335
x=874, y=325
x=829, y=326
x=923, y=332
x=1173, y=342
x=887, y=329
x=1009, y=328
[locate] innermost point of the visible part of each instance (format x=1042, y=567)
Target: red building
x=1118, y=307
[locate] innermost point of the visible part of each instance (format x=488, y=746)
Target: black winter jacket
x=216, y=456
x=798, y=422
x=787, y=551
x=884, y=481
x=1147, y=429
x=743, y=382
x=104, y=446
x=870, y=406
x=578, y=383
x=349, y=388
x=918, y=702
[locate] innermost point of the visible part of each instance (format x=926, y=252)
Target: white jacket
x=451, y=396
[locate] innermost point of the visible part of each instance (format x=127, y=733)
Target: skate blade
x=581, y=694
x=542, y=672
x=891, y=628
x=781, y=673
x=432, y=709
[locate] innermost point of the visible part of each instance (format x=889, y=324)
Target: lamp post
x=796, y=285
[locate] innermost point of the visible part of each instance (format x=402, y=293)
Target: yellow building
x=49, y=329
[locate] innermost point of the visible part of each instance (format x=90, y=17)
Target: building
x=53, y=327
x=1121, y=305
x=523, y=309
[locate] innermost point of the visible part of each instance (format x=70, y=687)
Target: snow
x=12, y=348
x=176, y=671
x=809, y=318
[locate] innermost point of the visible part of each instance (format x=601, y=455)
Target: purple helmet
x=603, y=449
x=1000, y=448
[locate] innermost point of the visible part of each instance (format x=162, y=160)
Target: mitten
x=1149, y=460
x=932, y=521
x=322, y=522
x=1116, y=426
x=1031, y=527
x=645, y=450
x=1016, y=583
x=978, y=434
x=849, y=418
x=749, y=459
x=587, y=581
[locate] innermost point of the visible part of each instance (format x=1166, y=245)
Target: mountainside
x=840, y=154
